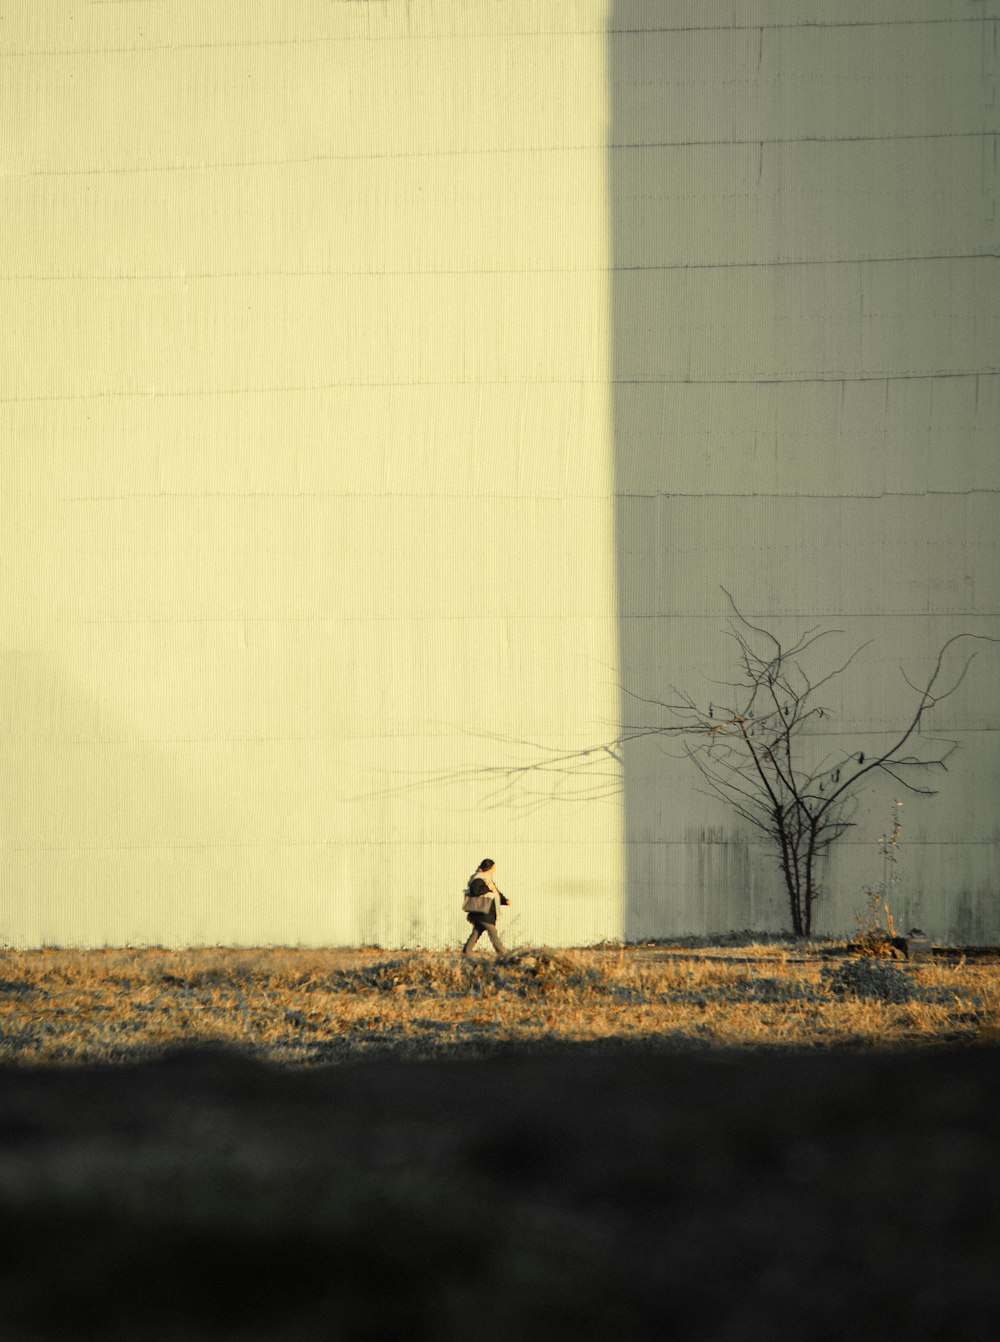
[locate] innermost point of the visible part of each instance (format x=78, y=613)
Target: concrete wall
x=390, y=386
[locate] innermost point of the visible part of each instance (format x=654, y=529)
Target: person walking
x=480, y=905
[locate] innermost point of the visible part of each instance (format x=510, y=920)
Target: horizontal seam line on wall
x=412, y=842
x=844, y=840
x=806, y=23
x=770, y=494
x=381, y=496
x=463, y=774
x=370, y=617
x=822, y=615
x=386, y=495
x=912, y=376
x=850, y=733
x=185, y=276
x=456, y=734
x=109, y=171
x=366, y=617
x=308, y=388
x=367, y=842
x=759, y=141
x=372, y=39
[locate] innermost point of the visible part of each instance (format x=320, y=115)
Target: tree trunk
x=789, y=869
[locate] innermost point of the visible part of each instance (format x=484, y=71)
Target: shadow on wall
x=679, y=440
x=114, y=833
x=792, y=420
x=92, y=804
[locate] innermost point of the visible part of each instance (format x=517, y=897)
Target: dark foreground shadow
x=576, y=1194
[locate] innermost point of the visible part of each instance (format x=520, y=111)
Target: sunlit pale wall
x=806, y=335
x=306, y=472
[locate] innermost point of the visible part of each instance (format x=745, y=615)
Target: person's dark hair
x=486, y=864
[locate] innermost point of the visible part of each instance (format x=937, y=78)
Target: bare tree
x=754, y=751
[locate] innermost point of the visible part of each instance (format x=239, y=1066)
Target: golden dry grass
x=311, y=1006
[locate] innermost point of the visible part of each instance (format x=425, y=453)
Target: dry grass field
x=704, y=1143
x=310, y=1006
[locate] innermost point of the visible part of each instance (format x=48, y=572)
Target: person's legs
x=494, y=936
x=474, y=936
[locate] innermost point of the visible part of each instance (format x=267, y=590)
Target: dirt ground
x=565, y=1192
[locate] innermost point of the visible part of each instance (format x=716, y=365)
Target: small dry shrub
x=873, y=979
x=876, y=929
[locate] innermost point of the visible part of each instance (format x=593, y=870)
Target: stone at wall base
x=915, y=946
